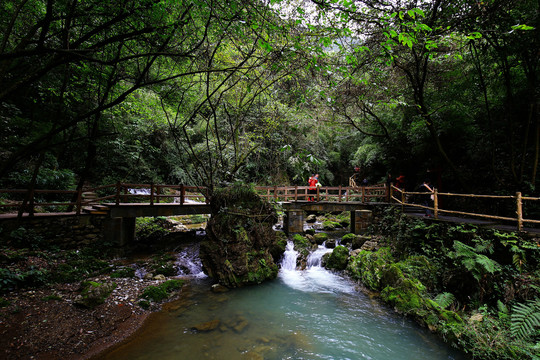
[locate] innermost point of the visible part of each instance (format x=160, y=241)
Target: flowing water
x=309, y=314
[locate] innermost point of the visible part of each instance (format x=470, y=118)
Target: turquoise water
x=310, y=314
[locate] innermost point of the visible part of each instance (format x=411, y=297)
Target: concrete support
x=119, y=230
x=360, y=221
x=293, y=222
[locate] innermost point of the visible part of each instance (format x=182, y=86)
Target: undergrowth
x=488, y=278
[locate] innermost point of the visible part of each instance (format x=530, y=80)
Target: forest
x=267, y=92
x=205, y=93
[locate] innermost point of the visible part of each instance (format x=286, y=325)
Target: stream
x=303, y=314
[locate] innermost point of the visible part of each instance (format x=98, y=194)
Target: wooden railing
x=375, y=193
x=24, y=201
x=502, y=205
x=504, y=208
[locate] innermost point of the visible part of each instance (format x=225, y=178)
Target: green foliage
x=150, y=229
x=526, y=319
x=4, y=303
x=8, y=280
x=124, y=272
x=24, y=238
x=444, y=300
x=477, y=264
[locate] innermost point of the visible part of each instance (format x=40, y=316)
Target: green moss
x=320, y=238
x=368, y=267
x=94, y=293
x=126, y=272
x=145, y=304
x=161, y=291
x=330, y=225
x=262, y=272
x=301, y=244
x=406, y=297
x=338, y=258
x=348, y=239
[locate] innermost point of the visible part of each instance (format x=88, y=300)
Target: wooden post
x=339, y=196
x=125, y=193
x=158, y=190
x=78, y=204
x=519, y=211
x=402, y=199
x=435, y=203
x=363, y=194
x=347, y=194
x=318, y=193
x=152, y=193
x=182, y=194
x=295, y=193
x=275, y=192
x=118, y=189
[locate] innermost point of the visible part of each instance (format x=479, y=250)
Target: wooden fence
x=31, y=202
x=376, y=193
x=514, y=204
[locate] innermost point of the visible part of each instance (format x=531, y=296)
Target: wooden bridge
x=128, y=201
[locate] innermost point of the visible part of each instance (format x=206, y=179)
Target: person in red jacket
x=312, y=182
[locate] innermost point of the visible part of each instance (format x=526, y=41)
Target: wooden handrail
x=340, y=193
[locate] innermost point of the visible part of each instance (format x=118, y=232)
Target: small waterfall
x=314, y=259
x=289, y=257
x=189, y=262
x=315, y=278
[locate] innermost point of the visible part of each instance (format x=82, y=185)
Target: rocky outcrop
x=239, y=238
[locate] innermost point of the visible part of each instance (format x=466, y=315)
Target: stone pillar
x=128, y=230
x=293, y=222
x=119, y=230
x=360, y=220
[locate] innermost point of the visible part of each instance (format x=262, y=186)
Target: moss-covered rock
x=94, y=293
x=304, y=247
x=278, y=247
x=240, y=245
x=338, y=258
x=320, y=238
x=359, y=241
x=348, y=239
x=368, y=267
x=330, y=225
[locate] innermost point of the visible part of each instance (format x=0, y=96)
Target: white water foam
x=315, y=278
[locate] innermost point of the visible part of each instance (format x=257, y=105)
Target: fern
x=525, y=319
x=444, y=300
x=477, y=264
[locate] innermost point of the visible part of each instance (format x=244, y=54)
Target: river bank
x=46, y=323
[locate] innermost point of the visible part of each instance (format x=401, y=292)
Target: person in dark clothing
x=427, y=198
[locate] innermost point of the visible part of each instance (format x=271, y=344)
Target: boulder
x=206, y=326
x=240, y=239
